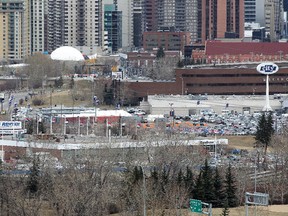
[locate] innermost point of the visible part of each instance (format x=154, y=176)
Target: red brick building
x=221, y=19
x=235, y=79
x=170, y=41
x=237, y=52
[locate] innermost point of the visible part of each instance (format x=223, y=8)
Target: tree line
x=98, y=189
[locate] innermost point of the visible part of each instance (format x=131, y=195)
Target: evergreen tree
x=180, y=178
x=230, y=188
x=180, y=64
x=225, y=211
x=109, y=92
x=260, y=132
x=30, y=126
x=33, y=179
x=59, y=82
x=137, y=174
x=155, y=178
x=160, y=53
x=189, y=181
x=1, y=166
x=72, y=83
x=154, y=174
x=265, y=130
x=41, y=127
x=218, y=190
x=208, y=186
x=198, y=192
x=164, y=179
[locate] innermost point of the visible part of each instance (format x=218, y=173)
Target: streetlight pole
x=64, y=130
x=182, y=85
x=144, y=192
x=215, y=156
x=172, y=114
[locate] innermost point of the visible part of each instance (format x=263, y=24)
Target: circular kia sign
x=267, y=68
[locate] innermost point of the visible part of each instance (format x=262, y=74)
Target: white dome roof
x=67, y=53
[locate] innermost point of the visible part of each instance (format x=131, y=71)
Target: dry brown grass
x=240, y=142
x=64, y=98
x=277, y=210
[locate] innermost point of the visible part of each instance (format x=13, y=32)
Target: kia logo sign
x=267, y=68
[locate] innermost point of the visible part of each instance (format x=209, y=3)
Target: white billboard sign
x=117, y=75
x=267, y=68
x=256, y=198
x=4, y=125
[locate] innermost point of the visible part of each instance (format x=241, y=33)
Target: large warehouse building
x=229, y=79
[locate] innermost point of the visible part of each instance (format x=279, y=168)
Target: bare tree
x=40, y=67
x=276, y=184
x=163, y=68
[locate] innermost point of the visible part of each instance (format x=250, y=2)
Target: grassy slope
x=240, y=142
x=277, y=210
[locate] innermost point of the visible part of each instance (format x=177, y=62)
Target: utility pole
x=144, y=192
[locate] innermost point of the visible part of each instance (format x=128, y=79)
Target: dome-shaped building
x=67, y=53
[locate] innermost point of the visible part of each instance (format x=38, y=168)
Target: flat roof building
x=168, y=40
x=221, y=19
x=233, y=79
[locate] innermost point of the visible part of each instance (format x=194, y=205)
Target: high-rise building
x=204, y=19
x=150, y=15
x=37, y=25
x=250, y=10
x=55, y=24
x=138, y=22
x=274, y=18
x=113, y=26
x=75, y=23
x=14, y=30
x=181, y=15
x=285, y=5
x=126, y=6
x=221, y=19
x=254, y=11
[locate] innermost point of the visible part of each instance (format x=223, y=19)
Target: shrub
x=21, y=101
x=37, y=102
x=113, y=208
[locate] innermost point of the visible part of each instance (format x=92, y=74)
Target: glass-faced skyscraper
x=113, y=25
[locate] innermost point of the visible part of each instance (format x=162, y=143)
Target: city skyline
x=44, y=25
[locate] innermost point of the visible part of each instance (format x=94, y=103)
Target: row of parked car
x=212, y=123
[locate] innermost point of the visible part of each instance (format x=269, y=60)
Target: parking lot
x=210, y=123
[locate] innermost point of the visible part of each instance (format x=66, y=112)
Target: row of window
x=280, y=76
x=229, y=84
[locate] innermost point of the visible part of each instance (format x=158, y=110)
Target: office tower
x=14, y=30
x=274, y=18
x=285, y=5
x=178, y=14
x=113, y=26
x=150, y=15
x=221, y=19
x=126, y=6
x=37, y=25
x=138, y=22
x=181, y=15
x=254, y=11
x=250, y=10
x=285, y=8
x=55, y=24
x=75, y=23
